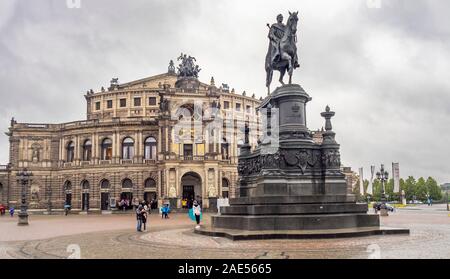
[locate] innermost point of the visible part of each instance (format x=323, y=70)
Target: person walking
x=66, y=208
x=139, y=218
x=144, y=216
x=197, y=213
x=11, y=211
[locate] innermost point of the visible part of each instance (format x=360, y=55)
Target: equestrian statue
x=282, y=52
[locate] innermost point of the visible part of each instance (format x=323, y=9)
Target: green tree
x=409, y=186
x=433, y=189
x=376, y=190
x=421, y=190
x=389, y=189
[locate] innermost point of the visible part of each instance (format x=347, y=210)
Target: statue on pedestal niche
x=35, y=154
x=282, y=52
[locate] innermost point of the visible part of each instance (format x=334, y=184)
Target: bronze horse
x=287, y=60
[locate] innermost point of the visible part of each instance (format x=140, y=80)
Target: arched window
x=87, y=150
x=150, y=148
x=225, y=183
x=127, y=183
x=70, y=151
x=85, y=185
x=104, y=184
x=68, y=192
x=107, y=149
x=225, y=188
x=150, y=183
x=224, y=149
x=67, y=186
x=128, y=149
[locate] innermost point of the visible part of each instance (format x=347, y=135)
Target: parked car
x=378, y=206
x=415, y=202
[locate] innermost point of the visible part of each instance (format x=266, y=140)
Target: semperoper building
x=165, y=138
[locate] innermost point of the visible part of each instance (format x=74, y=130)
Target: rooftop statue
x=187, y=68
x=282, y=52
x=171, y=68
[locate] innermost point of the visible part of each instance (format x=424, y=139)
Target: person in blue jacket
x=165, y=211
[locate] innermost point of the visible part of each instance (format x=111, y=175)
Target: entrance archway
x=104, y=194
x=68, y=193
x=191, y=187
x=85, y=195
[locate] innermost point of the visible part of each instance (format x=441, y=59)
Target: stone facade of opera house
x=163, y=138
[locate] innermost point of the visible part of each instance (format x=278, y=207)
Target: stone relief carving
x=212, y=193
x=331, y=159
x=302, y=159
x=35, y=193
x=172, y=191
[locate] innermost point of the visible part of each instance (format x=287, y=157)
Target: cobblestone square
x=114, y=237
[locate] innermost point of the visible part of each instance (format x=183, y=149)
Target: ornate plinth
x=290, y=183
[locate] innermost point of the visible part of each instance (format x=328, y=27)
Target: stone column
x=166, y=131
x=141, y=147
x=77, y=150
x=60, y=157
x=178, y=187
x=160, y=140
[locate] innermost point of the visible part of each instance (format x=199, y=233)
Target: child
x=165, y=211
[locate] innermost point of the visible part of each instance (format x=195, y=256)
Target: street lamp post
x=24, y=180
x=49, y=197
x=383, y=176
x=446, y=197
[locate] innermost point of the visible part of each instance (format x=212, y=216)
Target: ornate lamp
x=24, y=180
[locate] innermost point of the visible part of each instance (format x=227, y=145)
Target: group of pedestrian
x=142, y=212
x=11, y=211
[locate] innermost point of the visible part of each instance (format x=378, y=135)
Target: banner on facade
x=361, y=181
x=396, y=176
x=370, y=187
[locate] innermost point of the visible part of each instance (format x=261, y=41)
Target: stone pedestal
x=294, y=184
x=23, y=219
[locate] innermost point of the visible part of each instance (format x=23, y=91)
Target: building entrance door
x=104, y=201
x=69, y=199
x=85, y=201
x=188, y=192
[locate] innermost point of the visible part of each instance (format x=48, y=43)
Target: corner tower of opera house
x=160, y=139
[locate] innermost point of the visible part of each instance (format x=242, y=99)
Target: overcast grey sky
x=383, y=66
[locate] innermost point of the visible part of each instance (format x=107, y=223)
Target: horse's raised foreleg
x=290, y=74
x=282, y=72
x=291, y=70
x=290, y=66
